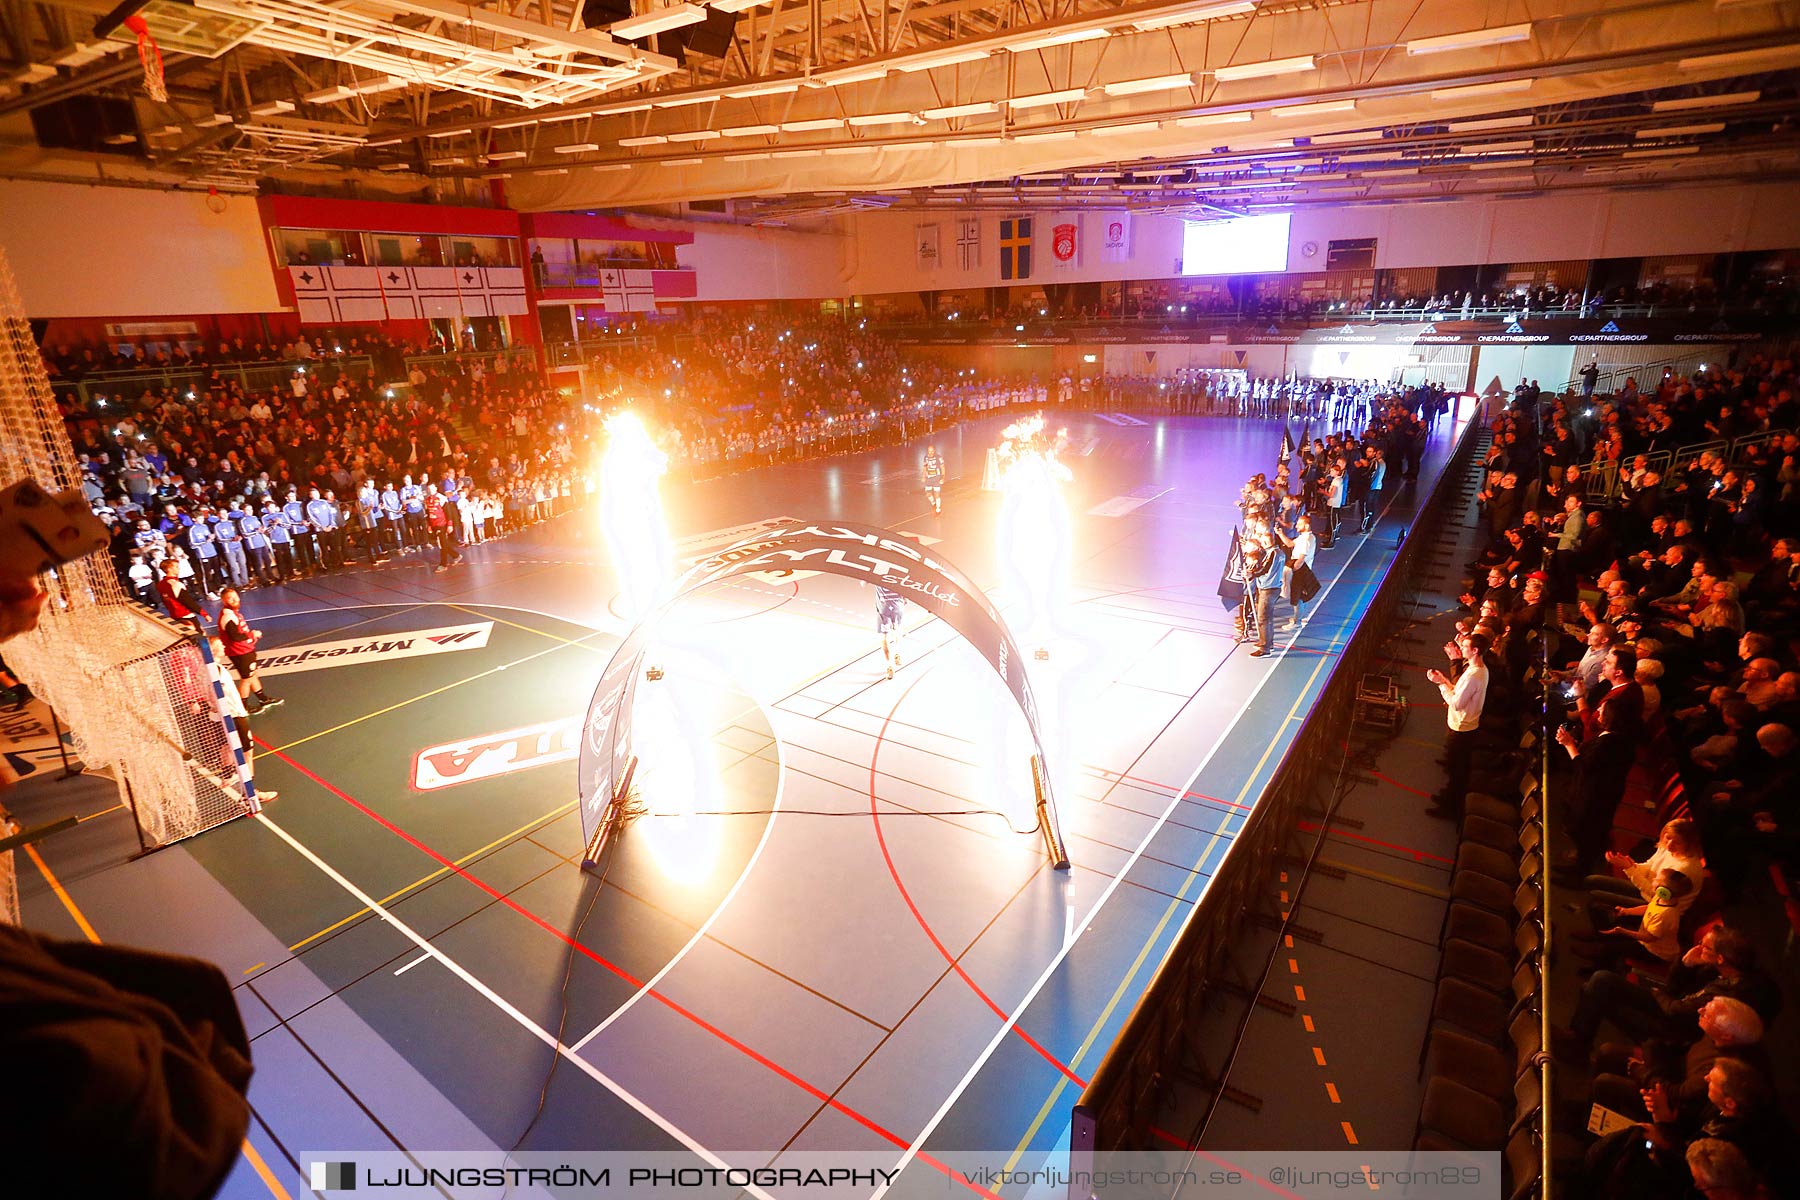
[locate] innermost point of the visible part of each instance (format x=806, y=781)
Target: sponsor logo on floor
x=497, y=754
x=28, y=740
x=381, y=647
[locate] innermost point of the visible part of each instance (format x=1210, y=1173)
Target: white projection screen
x=1236, y=247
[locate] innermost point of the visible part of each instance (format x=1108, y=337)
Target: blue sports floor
x=833, y=928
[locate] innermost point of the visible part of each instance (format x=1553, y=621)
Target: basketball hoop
x=150, y=55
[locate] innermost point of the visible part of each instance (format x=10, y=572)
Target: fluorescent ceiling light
x=328, y=95
x=960, y=110
x=680, y=162
x=1317, y=109
x=551, y=171
x=853, y=75
x=609, y=110
x=503, y=155
x=749, y=130
x=1681, y=130
x=732, y=6
x=1391, y=171
x=1500, y=87
x=949, y=58
x=648, y=139
x=1259, y=70
x=811, y=124
x=1504, y=148
x=444, y=133
x=1726, y=100
x=892, y=118
x=1193, y=16
x=1064, y=38
x=750, y=156
x=695, y=135
x=1471, y=39
x=1707, y=62
x=582, y=147
x=1120, y=130
x=1157, y=83
x=1661, y=152
x=683, y=101
x=1042, y=99
x=1338, y=139
x=1519, y=122
x=772, y=88
x=394, y=166
x=658, y=20
x=271, y=107
x=1049, y=135
x=1226, y=118
x=1493, y=166
x=217, y=119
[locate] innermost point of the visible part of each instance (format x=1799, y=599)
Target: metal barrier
x=1159, y=1041
x=252, y=376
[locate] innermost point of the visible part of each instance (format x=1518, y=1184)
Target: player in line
x=890, y=608
x=933, y=472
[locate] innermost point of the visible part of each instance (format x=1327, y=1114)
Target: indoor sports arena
x=861, y=598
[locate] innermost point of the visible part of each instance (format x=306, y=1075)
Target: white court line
x=409, y=966
x=1081, y=926
x=499, y=1002
x=706, y=926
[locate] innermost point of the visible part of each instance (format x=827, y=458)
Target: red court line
x=880, y=837
x=1173, y=790
x=622, y=973
x=1417, y=854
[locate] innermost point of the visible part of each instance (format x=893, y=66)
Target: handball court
x=833, y=928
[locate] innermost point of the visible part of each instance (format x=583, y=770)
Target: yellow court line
x=528, y=827
x=262, y=1168
x=422, y=696
x=1175, y=903
x=68, y=903
x=1409, y=885
x=115, y=808
x=555, y=637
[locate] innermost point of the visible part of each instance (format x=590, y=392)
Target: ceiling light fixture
x=1121, y=130
x=1044, y=99
x=1725, y=100
x=581, y=147
x=1193, y=16
x=1519, y=122
x=1063, y=38
x=949, y=111
x=775, y=87
x=1261, y=70
x=1681, y=130
x=1499, y=87
x=749, y=130
x=696, y=135
x=1738, y=58
x=1471, y=39
x=658, y=20
x=1156, y=83
x=814, y=123
x=1204, y=119
x=892, y=118
x=647, y=139
x=1318, y=109
x=949, y=58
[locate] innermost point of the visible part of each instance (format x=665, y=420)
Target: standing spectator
x=1464, y=698
x=437, y=522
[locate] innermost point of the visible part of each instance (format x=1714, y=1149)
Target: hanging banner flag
x=1231, y=579
x=1115, y=246
x=1065, y=241
x=1015, y=247
x=925, y=239
x=628, y=290
x=968, y=243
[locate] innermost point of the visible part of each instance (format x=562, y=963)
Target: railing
x=489, y=358
x=1611, y=379
x=587, y=275
x=254, y=376
x=1158, y=1039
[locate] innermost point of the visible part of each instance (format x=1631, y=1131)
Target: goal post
x=134, y=690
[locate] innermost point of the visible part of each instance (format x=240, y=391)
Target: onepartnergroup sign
x=847, y=1175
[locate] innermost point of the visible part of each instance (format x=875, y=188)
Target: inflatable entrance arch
x=864, y=552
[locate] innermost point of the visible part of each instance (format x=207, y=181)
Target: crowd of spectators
x=1661, y=618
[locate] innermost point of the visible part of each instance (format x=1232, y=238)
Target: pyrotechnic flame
x=631, y=516
x=1034, y=525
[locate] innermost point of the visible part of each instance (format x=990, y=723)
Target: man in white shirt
x=1463, y=699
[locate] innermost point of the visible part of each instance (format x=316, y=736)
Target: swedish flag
x=1015, y=248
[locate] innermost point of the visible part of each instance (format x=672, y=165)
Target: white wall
x=80, y=251
x=736, y=262
x=1666, y=219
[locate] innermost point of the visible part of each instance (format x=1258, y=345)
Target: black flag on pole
x=1231, y=579
x=1287, y=442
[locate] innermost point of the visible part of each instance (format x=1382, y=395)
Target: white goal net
x=132, y=689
